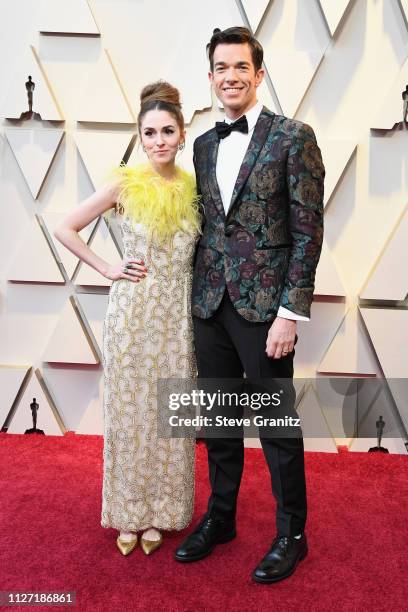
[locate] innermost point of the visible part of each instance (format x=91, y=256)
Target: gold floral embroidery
x=147, y=335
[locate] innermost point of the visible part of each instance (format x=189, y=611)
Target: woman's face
x=160, y=136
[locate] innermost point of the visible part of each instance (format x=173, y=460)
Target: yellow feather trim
x=162, y=206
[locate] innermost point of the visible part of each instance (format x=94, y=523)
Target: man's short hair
x=236, y=35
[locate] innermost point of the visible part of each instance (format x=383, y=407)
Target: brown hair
x=160, y=96
x=236, y=35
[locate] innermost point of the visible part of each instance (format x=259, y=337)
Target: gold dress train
x=148, y=480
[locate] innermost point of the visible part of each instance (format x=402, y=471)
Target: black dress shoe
x=205, y=537
x=281, y=560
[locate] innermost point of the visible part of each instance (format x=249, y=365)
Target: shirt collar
x=252, y=116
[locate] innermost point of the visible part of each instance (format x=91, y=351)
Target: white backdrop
x=339, y=65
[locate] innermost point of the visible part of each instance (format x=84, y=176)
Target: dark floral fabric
x=265, y=250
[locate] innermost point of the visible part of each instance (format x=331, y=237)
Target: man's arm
x=305, y=180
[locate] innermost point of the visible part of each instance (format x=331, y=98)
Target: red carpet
x=51, y=538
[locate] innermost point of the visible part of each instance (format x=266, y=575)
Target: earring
x=181, y=146
x=144, y=148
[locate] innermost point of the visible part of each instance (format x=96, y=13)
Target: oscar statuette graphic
x=30, y=114
x=403, y=125
x=380, y=424
x=34, y=409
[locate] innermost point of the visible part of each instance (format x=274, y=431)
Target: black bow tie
x=225, y=129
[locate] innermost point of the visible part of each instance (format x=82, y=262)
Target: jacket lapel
x=260, y=133
x=211, y=173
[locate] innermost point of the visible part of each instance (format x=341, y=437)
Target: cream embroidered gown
x=148, y=481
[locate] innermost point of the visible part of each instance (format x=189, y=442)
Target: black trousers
x=227, y=345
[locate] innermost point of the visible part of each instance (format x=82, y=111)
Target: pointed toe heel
x=149, y=546
x=126, y=546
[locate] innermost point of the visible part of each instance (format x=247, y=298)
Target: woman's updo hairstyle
x=160, y=96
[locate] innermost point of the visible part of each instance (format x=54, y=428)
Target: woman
x=148, y=480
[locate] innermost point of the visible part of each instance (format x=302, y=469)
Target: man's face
x=234, y=78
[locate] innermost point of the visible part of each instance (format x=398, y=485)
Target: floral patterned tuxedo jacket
x=265, y=250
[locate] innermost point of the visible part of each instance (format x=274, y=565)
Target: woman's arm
x=91, y=208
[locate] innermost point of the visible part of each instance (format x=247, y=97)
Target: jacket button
x=229, y=229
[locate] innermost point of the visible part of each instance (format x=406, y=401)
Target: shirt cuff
x=288, y=314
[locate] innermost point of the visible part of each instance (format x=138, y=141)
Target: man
x=260, y=176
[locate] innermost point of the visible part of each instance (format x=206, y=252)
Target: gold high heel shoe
x=148, y=546
x=126, y=546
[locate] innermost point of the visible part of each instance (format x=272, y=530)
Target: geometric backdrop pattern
x=73, y=17
x=34, y=151
x=349, y=352
x=340, y=66
x=334, y=13
x=404, y=8
x=389, y=279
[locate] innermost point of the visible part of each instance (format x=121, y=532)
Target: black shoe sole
x=223, y=540
x=282, y=576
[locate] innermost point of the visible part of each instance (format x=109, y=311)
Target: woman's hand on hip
x=132, y=269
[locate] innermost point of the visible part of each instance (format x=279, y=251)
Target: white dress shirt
x=231, y=152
